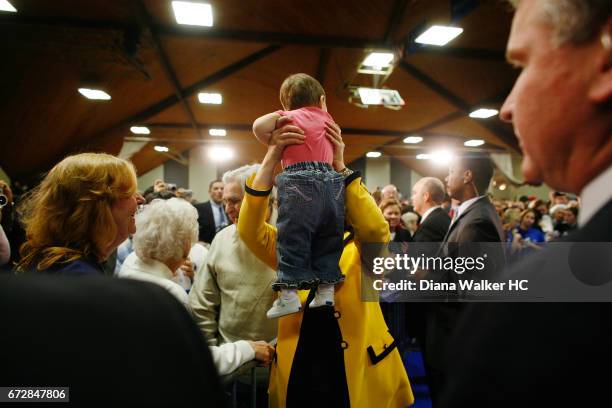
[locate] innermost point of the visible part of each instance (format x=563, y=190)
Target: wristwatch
x=346, y=172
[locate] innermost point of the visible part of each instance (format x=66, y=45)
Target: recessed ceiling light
x=373, y=154
x=441, y=157
x=423, y=156
x=191, y=13
x=378, y=60
x=483, y=113
x=96, y=94
x=6, y=6
x=211, y=98
x=439, y=35
x=217, y=132
x=502, y=186
x=473, y=142
x=373, y=96
x=220, y=153
x=140, y=130
x=161, y=148
x=413, y=139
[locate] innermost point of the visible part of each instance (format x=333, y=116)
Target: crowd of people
x=217, y=266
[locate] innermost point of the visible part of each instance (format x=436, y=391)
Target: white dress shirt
x=594, y=196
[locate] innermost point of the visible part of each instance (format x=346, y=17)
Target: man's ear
x=468, y=177
x=601, y=87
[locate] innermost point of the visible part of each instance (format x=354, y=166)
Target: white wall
x=202, y=171
x=146, y=180
x=414, y=177
x=378, y=172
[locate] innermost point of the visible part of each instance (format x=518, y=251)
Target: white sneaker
x=324, y=297
x=282, y=307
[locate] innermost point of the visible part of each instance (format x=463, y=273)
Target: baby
x=311, y=199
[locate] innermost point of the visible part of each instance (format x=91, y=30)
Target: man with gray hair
x=390, y=191
x=229, y=298
x=548, y=354
x=427, y=196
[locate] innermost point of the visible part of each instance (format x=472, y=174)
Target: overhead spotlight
x=483, y=113
x=441, y=157
x=474, y=142
x=423, y=156
x=94, y=94
x=502, y=186
x=373, y=96
x=377, y=63
x=413, y=139
x=217, y=132
x=220, y=153
x=6, y=6
x=192, y=13
x=438, y=35
x=162, y=149
x=373, y=154
x=210, y=98
x=140, y=130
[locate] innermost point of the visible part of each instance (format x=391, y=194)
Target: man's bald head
x=427, y=192
x=390, y=191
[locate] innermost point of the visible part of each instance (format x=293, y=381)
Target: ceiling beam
x=267, y=37
x=322, y=65
x=395, y=19
x=147, y=21
x=497, y=128
x=171, y=100
x=461, y=52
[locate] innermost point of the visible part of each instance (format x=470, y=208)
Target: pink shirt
x=316, y=146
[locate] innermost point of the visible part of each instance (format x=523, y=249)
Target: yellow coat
x=380, y=385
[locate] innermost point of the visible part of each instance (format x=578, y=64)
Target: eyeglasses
x=232, y=201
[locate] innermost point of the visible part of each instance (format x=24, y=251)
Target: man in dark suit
x=211, y=214
x=427, y=196
x=112, y=341
x=476, y=222
x=552, y=354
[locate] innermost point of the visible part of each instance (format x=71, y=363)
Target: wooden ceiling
x=153, y=69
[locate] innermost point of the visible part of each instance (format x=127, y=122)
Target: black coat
x=113, y=342
x=540, y=354
x=479, y=223
x=434, y=228
x=402, y=235
x=206, y=222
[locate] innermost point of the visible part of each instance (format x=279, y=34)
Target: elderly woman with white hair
x=166, y=231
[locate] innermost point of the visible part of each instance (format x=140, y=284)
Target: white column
x=202, y=171
x=378, y=172
x=146, y=180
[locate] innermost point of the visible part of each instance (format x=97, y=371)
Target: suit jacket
x=434, y=228
x=402, y=235
x=206, y=222
x=542, y=354
x=479, y=223
x=111, y=341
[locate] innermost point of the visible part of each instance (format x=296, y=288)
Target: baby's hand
x=282, y=121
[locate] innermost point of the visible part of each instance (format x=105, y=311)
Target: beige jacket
x=230, y=296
